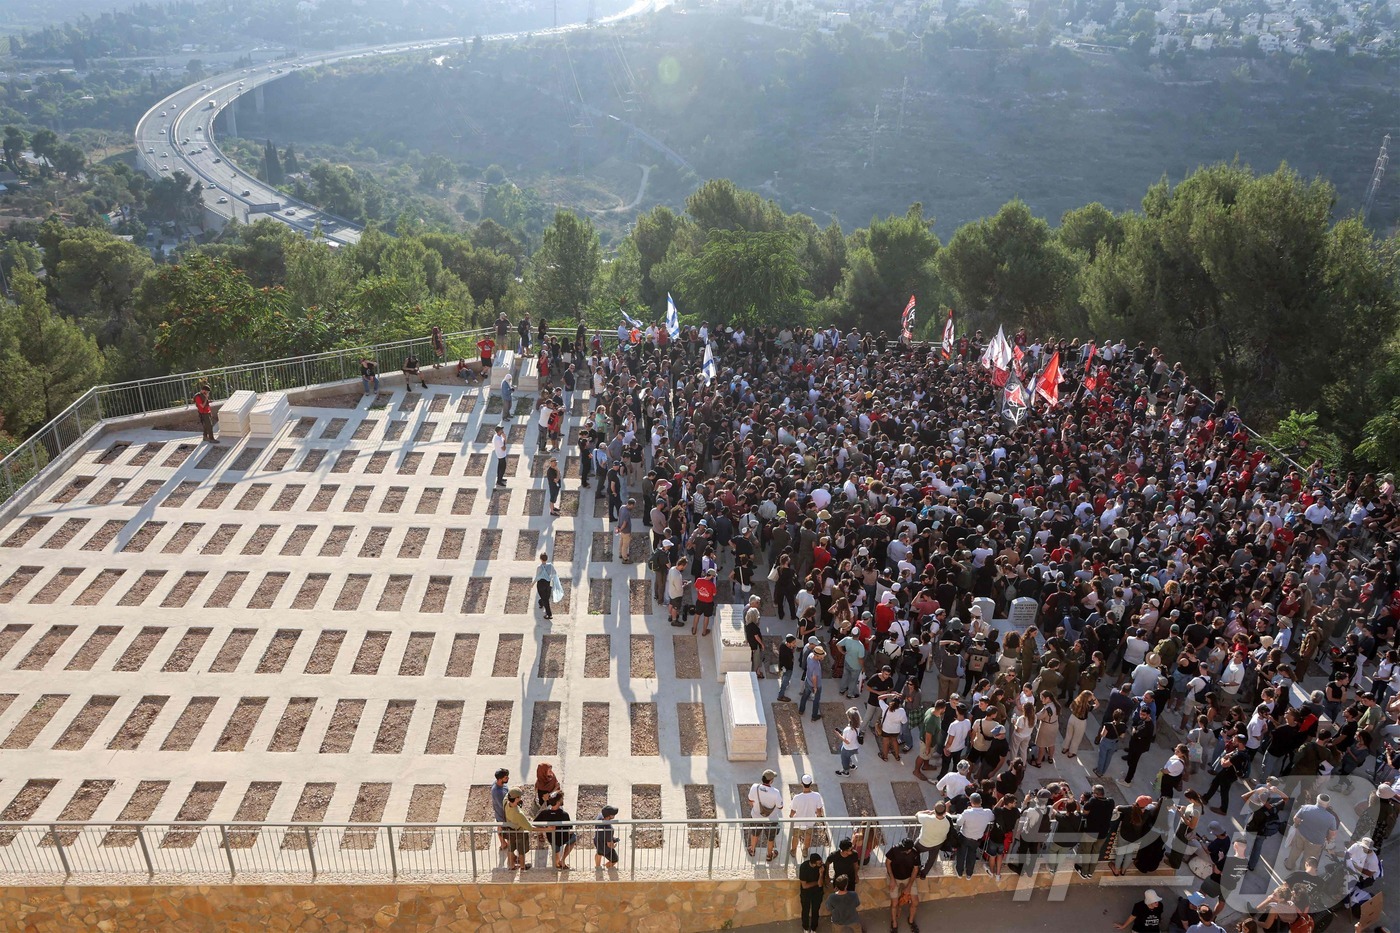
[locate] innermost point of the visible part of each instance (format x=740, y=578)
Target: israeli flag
x=631, y=321
x=710, y=369
x=673, y=319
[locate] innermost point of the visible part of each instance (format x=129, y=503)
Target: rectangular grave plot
x=508, y=648
x=424, y=434
x=393, y=728
x=424, y=806
x=374, y=542
x=600, y=506
x=260, y=539
x=442, y=735
x=476, y=464
x=326, y=650
x=311, y=808
x=143, y=537
x=312, y=460
x=474, y=598
x=275, y=655
x=495, y=728
x=335, y=542
x=463, y=654
x=178, y=456
x=410, y=401
x=111, y=454
x=71, y=489
x=364, y=429
x=595, y=727
x=333, y=428
x=486, y=432
x=96, y=645
x=428, y=501
x=9, y=636
x=544, y=727
x=188, y=648
x=268, y=589
x=33, y=722
x=413, y=541
x=452, y=541
x=359, y=498
x=466, y=404
x=65, y=533
x=45, y=648
x=228, y=587
x=377, y=461
x=287, y=498
x=534, y=502
x=435, y=596
x=30, y=797
x=182, y=537
x=279, y=458
x=791, y=739
x=564, y=547
x=180, y=494
x=369, y=808
x=321, y=502
x=234, y=647
x=516, y=434
x=196, y=809
x=700, y=805
x=552, y=653
x=643, y=661
x=245, y=459
x=646, y=805
x=456, y=432
x=252, y=497
x=221, y=538
x=568, y=503
x=109, y=490
x=597, y=656
x=478, y=810
x=463, y=502
x=527, y=546
x=53, y=589
x=17, y=581
x=292, y=726
x=602, y=547
x=213, y=457
x=414, y=662
x=393, y=499
x=142, y=588
x=646, y=739
x=144, y=492
x=639, y=594
x=599, y=596
x=136, y=654
x=142, y=804
x=489, y=546
x=256, y=803
x=5, y=700
x=80, y=808
x=186, y=730
x=371, y=653
x=686, y=651
x=296, y=542
x=303, y=427
x=442, y=464
x=216, y=496
x=241, y=724
x=345, y=722
x=344, y=461
x=183, y=589
x=437, y=403
x=395, y=590
x=859, y=803
x=138, y=723
x=693, y=735
x=146, y=454
x=351, y=592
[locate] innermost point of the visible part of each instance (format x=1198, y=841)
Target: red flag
x=907, y=322
x=1090, y=383
x=1047, y=384
x=948, y=334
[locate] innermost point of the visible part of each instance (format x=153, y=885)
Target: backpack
x=660, y=560
x=977, y=660
x=1204, y=692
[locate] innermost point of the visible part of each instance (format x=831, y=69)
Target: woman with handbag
x=1079, y=711
x=1047, y=730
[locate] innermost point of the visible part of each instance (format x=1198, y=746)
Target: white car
x=211, y=186
x=164, y=114
x=150, y=150
x=223, y=200
x=290, y=212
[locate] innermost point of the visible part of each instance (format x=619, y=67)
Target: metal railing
x=220, y=852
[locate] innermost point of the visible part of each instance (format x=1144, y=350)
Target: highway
x=177, y=134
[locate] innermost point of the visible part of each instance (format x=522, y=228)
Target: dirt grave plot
x=359, y=498
x=70, y=490
x=410, y=400
x=442, y=464
x=534, y=502
x=442, y=735
x=9, y=635
x=686, y=652
x=335, y=542
x=464, y=501
x=425, y=432
x=377, y=461
x=413, y=541
x=80, y=808
x=33, y=722
x=59, y=582
x=292, y=725
x=322, y=500
x=463, y=654
x=25, y=804
x=597, y=656
x=646, y=805
x=5, y=700
x=180, y=494
x=393, y=728
x=241, y=724
x=791, y=739
x=344, y=461
x=136, y=654
x=84, y=724
x=351, y=592
x=645, y=737
x=508, y=649
x=142, y=804
x=213, y=457
x=234, y=647
x=568, y=503
x=45, y=648
x=275, y=655
x=599, y=596
x=488, y=547
x=65, y=534
x=452, y=541
x=104, y=536
x=476, y=464
x=296, y=542
x=591, y=800
x=142, y=588
x=228, y=588
x=333, y=428
x=303, y=427
x=428, y=501
x=182, y=538
x=250, y=499
x=111, y=454
x=182, y=658
x=516, y=434
x=552, y=653
x=246, y=458
x=287, y=498
x=410, y=463
x=17, y=581
x=424, y=806
x=256, y=804
x=311, y=808
x=97, y=644
x=345, y=722
x=564, y=546
x=486, y=432
x=700, y=805
x=364, y=429
x=186, y=730
x=437, y=403
x=467, y=404
x=414, y=662
x=369, y=808
x=312, y=460
x=909, y=796
x=544, y=727
x=594, y=738
x=196, y=809
x=495, y=728
x=279, y=458
x=325, y=651
x=499, y=503
x=391, y=600
x=833, y=719
x=179, y=455
x=109, y=490
x=374, y=542
x=475, y=596
x=371, y=653
x=639, y=597
x=220, y=539
x=643, y=656
x=600, y=505
x=527, y=546
x=143, y=537
x=268, y=589
x=695, y=740
x=638, y=547
x=216, y=496
x=456, y=432
x=183, y=589
x=144, y=492
x=138, y=723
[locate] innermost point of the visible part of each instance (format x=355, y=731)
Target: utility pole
x=874, y=129
x=903, y=96
x=1376, y=177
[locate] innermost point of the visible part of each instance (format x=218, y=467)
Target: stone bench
x=235, y=412
x=731, y=648
x=504, y=362
x=268, y=414
x=529, y=379
x=745, y=725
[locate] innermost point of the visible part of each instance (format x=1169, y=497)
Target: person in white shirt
x=955, y=742
x=498, y=446
x=972, y=824
x=765, y=803
x=1362, y=863
x=805, y=808
x=1232, y=678
x=955, y=783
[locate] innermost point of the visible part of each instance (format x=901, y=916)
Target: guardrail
x=218, y=852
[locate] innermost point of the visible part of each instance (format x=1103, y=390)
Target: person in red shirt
x=206, y=412
x=486, y=347
x=884, y=613
x=704, y=601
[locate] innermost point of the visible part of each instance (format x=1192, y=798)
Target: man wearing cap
x=805, y=808
x=766, y=804
x=1146, y=916
x=1362, y=863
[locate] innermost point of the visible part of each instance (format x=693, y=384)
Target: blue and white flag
x=631, y=321
x=710, y=369
x=673, y=319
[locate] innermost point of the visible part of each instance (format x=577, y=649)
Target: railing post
x=228, y=853
x=145, y=854
x=632, y=852
x=34, y=452
x=9, y=482
x=393, y=859
x=310, y=850
x=78, y=419
x=713, y=844
x=471, y=844
x=304, y=381
x=62, y=852
x=141, y=395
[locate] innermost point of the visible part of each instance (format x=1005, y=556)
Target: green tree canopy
x=46, y=360
x=566, y=266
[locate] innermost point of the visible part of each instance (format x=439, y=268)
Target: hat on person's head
x=789, y=637
x=818, y=652
x=1366, y=843
x=769, y=775
x=515, y=794
x=1143, y=801
x=1151, y=897
x=806, y=780
x=1324, y=799
x=668, y=543
x=813, y=640
x=1215, y=828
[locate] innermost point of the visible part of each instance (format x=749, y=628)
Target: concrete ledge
x=745, y=725
x=529, y=380
x=504, y=362
x=731, y=648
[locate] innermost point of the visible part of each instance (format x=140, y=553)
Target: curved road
x=177, y=134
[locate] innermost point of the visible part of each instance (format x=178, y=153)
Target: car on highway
x=218, y=160
x=162, y=131
x=165, y=168
x=165, y=155
x=290, y=212
x=163, y=113
x=247, y=193
x=211, y=186
x=151, y=150
x=223, y=200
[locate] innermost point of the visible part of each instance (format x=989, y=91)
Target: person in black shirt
x=809, y=890
x=1147, y=914
x=844, y=861
x=562, y=837
x=786, y=660
x=901, y=865
x=1098, y=821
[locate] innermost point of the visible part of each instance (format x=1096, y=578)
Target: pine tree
x=290, y=165
x=273, y=165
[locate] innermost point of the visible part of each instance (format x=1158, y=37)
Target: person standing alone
x=206, y=412
x=498, y=446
